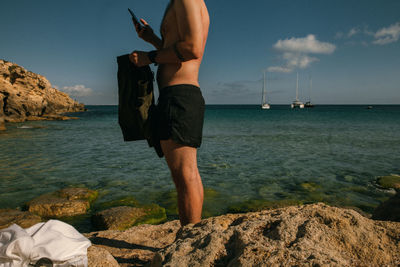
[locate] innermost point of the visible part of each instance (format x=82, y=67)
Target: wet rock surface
x=309, y=235
x=25, y=95
x=64, y=202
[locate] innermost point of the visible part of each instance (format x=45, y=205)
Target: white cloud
x=295, y=52
x=387, y=35
x=308, y=44
x=76, y=90
x=353, y=31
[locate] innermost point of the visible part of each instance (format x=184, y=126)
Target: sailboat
x=297, y=103
x=264, y=104
x=308, y=104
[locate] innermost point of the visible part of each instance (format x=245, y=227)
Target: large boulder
x=24, y=219
x=309, y=235
x=65, y=202
x=25, y=95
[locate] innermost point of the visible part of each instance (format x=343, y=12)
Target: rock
x=25, y=95
x=309, y=186
x=100, y=257
x=123, y=201
x=65, y=202
x=389, y=181
x=135, y=246
x=2, y=120
x=2, y=124
x=309, y=235
x=388, y=210
x=24, y=219
x=123, y=217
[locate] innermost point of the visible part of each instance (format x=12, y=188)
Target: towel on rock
x=55, y=240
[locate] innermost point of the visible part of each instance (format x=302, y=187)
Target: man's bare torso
x=185, y=72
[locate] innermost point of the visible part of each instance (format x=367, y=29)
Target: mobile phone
x=135, y=19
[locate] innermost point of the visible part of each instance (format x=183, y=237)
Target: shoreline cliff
x=26, y=96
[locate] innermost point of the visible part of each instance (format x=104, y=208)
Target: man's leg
x=182, y=162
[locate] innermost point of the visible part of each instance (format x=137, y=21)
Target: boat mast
x=264, y=90
x=297, y=87
x=309, y=90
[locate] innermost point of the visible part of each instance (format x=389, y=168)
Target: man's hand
x=139, y=58
x=145, y=32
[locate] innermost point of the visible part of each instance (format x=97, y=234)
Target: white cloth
x=56, y=240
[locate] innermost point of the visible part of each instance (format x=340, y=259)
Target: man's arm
x=190, y=44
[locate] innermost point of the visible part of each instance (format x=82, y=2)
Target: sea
x=329, y=153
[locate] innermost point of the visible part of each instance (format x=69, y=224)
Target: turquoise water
x=247, y=154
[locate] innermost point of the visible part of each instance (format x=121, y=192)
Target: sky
x=349, y=49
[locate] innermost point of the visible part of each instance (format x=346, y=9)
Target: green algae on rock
x=123, y=217
x=65, y=202
x=389, y=181
x=123, y=201
x=309, y=186
x=125, y=212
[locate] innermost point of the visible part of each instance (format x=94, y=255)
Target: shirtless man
x=179, y=53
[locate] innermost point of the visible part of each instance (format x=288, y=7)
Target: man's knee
x=184, y=175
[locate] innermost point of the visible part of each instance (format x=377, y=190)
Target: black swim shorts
x=180, y=114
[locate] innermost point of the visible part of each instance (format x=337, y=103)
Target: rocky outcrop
x=65, y=202
x=309, y=235
x=25, y=95
x=24, y=219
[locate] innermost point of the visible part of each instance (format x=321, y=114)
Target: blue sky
x=351, y=49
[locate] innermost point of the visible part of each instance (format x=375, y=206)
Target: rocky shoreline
x=27, y=96
x=297, y=235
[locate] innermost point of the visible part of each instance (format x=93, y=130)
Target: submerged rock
x=65, y=202
x=24, y=219
x=389, y=181
x=126, y=212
